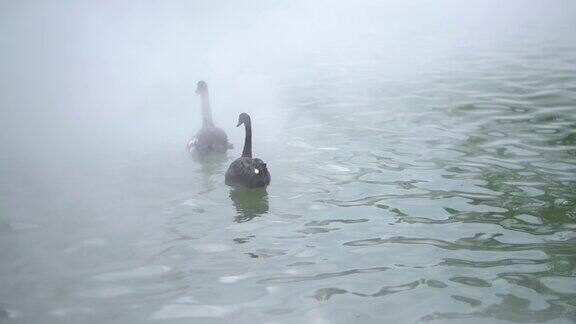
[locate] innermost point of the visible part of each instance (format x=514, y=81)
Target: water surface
x=447, y=195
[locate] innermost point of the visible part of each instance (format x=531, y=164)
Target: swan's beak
x=197, y=92
x=239, y=123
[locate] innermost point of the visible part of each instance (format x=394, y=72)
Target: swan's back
x=209, y=140
x=248, y=172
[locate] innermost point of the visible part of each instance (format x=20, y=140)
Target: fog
x=91, y=83
x=101, y=74
x=97, y=104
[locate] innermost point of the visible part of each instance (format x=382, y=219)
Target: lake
x=436, y=187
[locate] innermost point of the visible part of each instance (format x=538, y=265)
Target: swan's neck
x=206, y=110
x=247, y=152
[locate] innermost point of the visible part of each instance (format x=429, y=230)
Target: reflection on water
x=249, y=203
x=210, y=166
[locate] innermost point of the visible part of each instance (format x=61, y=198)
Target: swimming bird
x=209, y=139
x=245, y=170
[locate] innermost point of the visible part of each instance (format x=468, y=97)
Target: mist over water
x=421, y=153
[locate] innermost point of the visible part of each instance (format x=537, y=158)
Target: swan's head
x=244, y=118
x=201, y=88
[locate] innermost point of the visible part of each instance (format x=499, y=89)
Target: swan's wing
x=238, y=171
x=242, y=167
x=221, y=138
x=212, y=139
x=248, y=172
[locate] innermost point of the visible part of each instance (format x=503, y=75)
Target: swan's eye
x=256, y=171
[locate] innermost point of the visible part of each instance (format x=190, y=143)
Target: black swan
x=245, y=170
x=209, y=139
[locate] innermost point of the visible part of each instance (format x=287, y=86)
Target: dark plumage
x=209, y=139
x=246, y=171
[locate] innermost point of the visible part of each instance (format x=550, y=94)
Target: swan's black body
x=209, y=139
x=246, y=171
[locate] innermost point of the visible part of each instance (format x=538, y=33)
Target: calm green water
x=447, y=196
